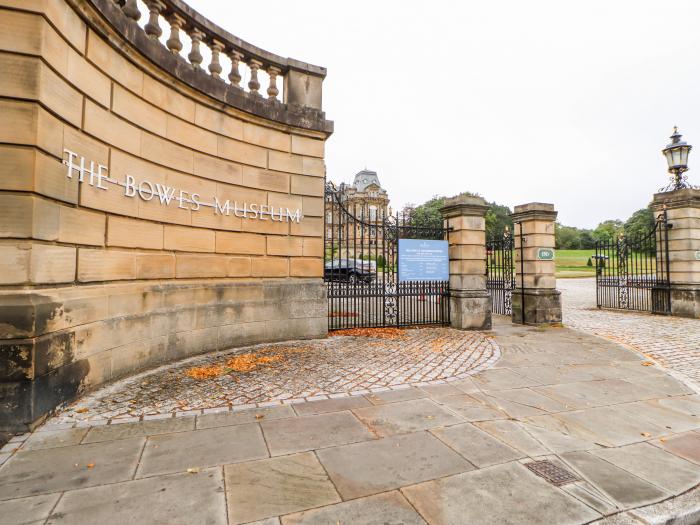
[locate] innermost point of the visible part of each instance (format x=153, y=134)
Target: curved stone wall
x=148, y=210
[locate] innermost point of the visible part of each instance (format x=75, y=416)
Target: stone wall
x=98, y=283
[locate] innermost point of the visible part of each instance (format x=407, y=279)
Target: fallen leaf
x=194, y=470
x=90, y=465
x=647, y=363
x=259, y=416
x=663, y=440
x=646, y=434
x=81, y=410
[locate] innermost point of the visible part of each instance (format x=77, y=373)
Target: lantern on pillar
x=676, y=154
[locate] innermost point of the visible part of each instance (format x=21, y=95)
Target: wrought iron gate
x=633, y=274
x=361, y=269
x=500, y=272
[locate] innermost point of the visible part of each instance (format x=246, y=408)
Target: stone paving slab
x=55, y=438
x=405, y=416
x=654, y=465
x=505, y=494
x=168, y=453
x=286, y=436
x=478, y=447
x=390, y=508
x=626, y=489
x=177, y=499
x=367, y=468
x=24, y=511
x=146, y=428
x=34, y=472
x=223, y=419
x=686, y=445
x=281, y=485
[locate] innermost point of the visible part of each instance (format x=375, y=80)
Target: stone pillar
x=536, y=299
x=683, y=213
x=470, y=302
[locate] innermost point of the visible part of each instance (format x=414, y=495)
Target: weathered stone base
x=58, y=343
x=541, y=306
x=685, y=300
x=470, y=309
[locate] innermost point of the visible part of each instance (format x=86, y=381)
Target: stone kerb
x=470, y=302
x=535, y=299
x=683, y=213
x=149, y=211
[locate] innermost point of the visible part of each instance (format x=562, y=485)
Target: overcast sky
x=555, y=101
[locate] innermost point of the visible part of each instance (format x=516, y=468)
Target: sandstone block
x=303, y=185
x=239, y=267
x=79, y=226
x=188, y=239
x=286, y=162
x=271, y=267
x=191, y=266
x=114, y=64
x=218, y=122
x=241, y=152
x=217, y=169
x=240, y=243
x=306, y=267
x=138, y=111
x=191, y=136
x=14, y=262
x=289, y=246
x=166, y=153
x=266, y=137
x=132, y=233
x=155, y=266
x=168, y=99
x=52, y=264
x=309, y=226
x=111, y=129
x=105, y=265
x=88, y=79
x=307, y=146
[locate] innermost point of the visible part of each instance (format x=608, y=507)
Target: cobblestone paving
x=671, y=341
x=336, y=367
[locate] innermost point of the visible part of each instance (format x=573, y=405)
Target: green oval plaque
x=545, y=254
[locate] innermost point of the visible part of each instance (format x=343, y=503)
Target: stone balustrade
x=293, y=91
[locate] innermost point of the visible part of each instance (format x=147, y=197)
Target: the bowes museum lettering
x=97, y=177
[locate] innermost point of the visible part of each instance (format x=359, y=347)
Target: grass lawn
x=572, y=263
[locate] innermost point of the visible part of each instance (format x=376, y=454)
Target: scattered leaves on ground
x=377, y=333
x=204, y=372
x=343, y=314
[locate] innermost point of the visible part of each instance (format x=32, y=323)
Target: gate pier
x=536, y=299
x=470, y=301
x=683, y=248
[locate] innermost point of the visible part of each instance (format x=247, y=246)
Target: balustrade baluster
x=195, y=56
x=235, y=76
x=254, y=84
x=215, y=66
x=152, y=28
x=174, y=44
x=131, y=10
x=272, y=90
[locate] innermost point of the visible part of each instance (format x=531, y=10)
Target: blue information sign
x=421, y=260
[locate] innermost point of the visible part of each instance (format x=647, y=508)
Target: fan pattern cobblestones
x=673, y=342
x=339, y=366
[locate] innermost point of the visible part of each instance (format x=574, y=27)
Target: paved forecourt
x=626, y=436
x=673, y=342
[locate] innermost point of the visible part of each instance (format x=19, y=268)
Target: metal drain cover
x=553, y=473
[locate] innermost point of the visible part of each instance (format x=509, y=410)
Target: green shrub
x=590, y=262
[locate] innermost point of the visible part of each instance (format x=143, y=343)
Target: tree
x=608, y=230
x=427, y=215
x=640, y=224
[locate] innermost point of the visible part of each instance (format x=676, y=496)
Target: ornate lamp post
x=677, y=157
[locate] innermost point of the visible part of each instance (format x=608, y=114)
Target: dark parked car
x=351, y=270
